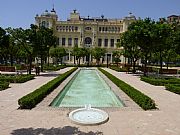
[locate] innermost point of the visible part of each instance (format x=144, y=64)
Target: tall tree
x=98, y=53
x=4, y=44
x=116, y=56
x=129, y=42
x=58, y=53
x=162, y=32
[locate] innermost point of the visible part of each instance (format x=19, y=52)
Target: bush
x=124, y=69
x=173, y=88
x=31, y=100
x=4, y=85
x=16, y=78
x=53, y=67
x=160, y=81
x=142, y=100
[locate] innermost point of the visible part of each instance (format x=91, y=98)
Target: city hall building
x=88, y=32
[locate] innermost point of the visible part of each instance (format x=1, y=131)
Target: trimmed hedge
x=53, y=67
x=16, y=78
x=124, y=69
x=4, y=85
x=160, y=81
x=173, y=88
x=32, y=99
x=142, y=100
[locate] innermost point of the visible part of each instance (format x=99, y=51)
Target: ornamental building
x=88, y=32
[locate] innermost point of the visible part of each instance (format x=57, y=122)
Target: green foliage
x=53, y=67
x=16, y=78
x=4, y=85
x=31, y=100
x=123, y=69
x=160, y=81
x=173, y=88
x=57, y=52
x=142, y=100
x=98, y=53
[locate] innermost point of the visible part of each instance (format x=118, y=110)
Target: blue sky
x=21, y=13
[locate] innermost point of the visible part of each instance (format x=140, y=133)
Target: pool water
x=87, y=87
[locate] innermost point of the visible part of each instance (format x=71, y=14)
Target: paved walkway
x=165, y=121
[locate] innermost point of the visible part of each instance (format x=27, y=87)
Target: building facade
x=85, y=32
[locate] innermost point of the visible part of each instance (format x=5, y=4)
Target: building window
x=63, y=41
x=76, y=28
x=118, y=40
x=44, y=24
x=69, y=41
x=66, y=28
x=99, y=28
x=99, y=42
x=75, y=41
x=72, y=28
x=105, y=42
x=63, y=28
x=112, y=42
x=103, y=29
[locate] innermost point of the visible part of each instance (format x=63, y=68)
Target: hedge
x=142, y=100
x=53, y=67
x=4, y=85
x=173, y=88
x=32, y=99
x=124, y=69
x=160, y=81
x=16, y=78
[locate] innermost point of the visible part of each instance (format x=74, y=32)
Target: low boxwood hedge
x=142, y=100
x=32, y=99
x=16, y=78
x=124, y=69
x=53, y=67
x=160, y=81
x=173, y=88
x=4, y=85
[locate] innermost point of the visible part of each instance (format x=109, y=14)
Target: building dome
x=46, y=13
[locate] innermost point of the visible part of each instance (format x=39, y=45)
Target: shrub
x=16, y=78
x=142, y=100
x=31, y=100
x=4, y=85
x=173, y=88
x=53, y=67
x=160, y=81
x=123, y=69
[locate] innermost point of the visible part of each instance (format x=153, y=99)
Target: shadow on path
x=67, y=130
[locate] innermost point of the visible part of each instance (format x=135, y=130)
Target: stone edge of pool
x=130, y=105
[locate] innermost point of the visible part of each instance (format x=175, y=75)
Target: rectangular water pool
x=87, y=87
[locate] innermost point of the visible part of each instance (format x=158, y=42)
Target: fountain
x=88, y=116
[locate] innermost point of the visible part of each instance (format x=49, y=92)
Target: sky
x=21, y=13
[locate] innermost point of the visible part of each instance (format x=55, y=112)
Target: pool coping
x=130, y=105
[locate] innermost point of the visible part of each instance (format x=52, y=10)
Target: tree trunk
x=30, y=64
x=11, y=59
x=74, y=60
x=61, y=60
x=41, y=63
x=79, y=61
x=134, y=65
x=145, y=67
x=161, y=63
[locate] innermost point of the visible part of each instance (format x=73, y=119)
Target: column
x=69, y=57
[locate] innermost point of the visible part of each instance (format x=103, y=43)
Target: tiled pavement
x=165, y=121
